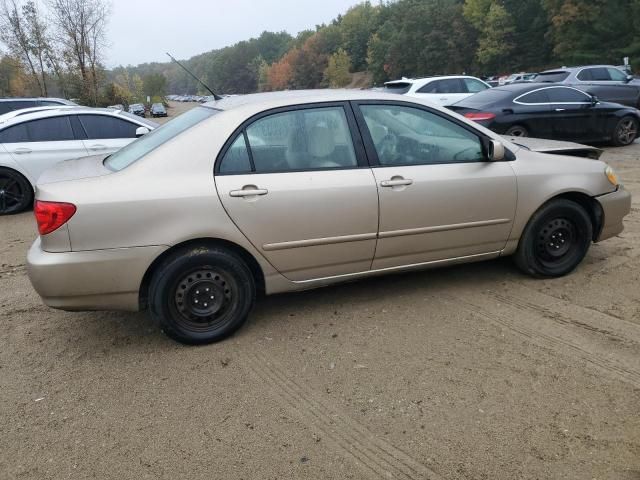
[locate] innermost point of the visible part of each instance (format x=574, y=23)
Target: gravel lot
x=472, y=372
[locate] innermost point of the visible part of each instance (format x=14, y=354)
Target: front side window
x=473, y=85
x=567, y=95
x=54, y=129
x=16, y=134
x=616, y=75
x=306, y=139
x=105, y=126
x=411, y=136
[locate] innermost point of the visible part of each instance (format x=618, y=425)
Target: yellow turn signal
x=611, y=176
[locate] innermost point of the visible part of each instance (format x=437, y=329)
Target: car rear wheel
x=517, y=131
x=201, y=295
x=555, y=240
x=625, y=132
x=16, y=193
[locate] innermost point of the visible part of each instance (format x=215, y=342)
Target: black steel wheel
x=625, y=132
x=555, y=240
x=16, y=193
x=517, y=131
x=201, y=295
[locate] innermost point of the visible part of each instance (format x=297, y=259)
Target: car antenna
x=215, y=96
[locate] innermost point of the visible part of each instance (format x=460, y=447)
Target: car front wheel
x=555, y=240
x=625, y=132
x=201, y=295
x=16, y=193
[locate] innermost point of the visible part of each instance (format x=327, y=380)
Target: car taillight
x=478, y=116
x=52, y=215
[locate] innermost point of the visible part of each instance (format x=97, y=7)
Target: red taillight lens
x=52, y=215
x=476, y=117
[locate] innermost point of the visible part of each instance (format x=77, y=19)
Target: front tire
x=625, y=132
x=201, y=295
x=16, y=193
x=555, y=240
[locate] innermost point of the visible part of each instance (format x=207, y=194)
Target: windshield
x=139, y=148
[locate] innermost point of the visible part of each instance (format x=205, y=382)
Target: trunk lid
x=76, y=169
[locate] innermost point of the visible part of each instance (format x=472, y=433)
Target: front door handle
x=22, y=151
x=560, y=109
x=248, y=191
x=396, y=182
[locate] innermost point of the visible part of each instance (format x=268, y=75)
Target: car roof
x=55, y=112
x=581, y=67
x=36, y=99
x=427, y=79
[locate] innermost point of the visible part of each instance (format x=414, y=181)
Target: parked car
x=31, y=143
x=607, y=82
x=25, y=111
x=520, y=78
x=117, y=106
x=137, y=109
x=551, y=111
x=9, y=104
x=158, y=110
x=444, y=90
x=151, y=226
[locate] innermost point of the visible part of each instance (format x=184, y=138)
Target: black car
x=158, y=110
x=137, y=109
x=551, y=111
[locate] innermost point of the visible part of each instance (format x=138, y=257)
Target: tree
x=357, y=26
x=337, y=73
x=81, y=28
x=154, y=85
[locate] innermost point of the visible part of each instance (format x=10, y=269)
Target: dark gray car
x=606, y=82
x=17, y=103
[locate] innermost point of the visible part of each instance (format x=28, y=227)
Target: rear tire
x=201, y=295
x=555, y=240
x=625, y=132
x=517, y=131
x=16, y=193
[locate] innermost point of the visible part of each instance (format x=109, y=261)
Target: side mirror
x=594, y=100
x=140, y=131
x=629, y=78
x=495, y=152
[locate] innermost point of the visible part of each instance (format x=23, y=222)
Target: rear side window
x=15, y=134
x=54, y=129
x=104, y=126
x=567, y=95
x=599, y=74
x=558, y=76
x=236, y=159
x=535, y=97
x=449, y=85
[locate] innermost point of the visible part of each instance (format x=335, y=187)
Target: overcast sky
x=142, y=30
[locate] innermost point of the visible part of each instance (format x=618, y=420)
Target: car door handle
x=98, y=147
x=560, y=109
x=248, y=192
x=396, y=182
x=22, y=151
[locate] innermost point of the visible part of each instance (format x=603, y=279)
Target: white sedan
x=32, y=142
x=442, y=90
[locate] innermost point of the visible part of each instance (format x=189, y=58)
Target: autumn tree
x=337, y=73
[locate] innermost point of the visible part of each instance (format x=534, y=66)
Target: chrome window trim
x=515, y=100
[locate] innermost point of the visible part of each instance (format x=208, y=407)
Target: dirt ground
x=472, y=372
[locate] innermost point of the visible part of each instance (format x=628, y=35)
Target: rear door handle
x=249, y=191
x=560, y=109
x=98, y=147
x=22, y=151
x=396, y=182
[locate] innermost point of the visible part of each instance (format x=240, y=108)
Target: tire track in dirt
x=547, y=334
x=369, y=452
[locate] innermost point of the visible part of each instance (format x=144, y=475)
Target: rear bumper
x=90, y=280
x=615, y=206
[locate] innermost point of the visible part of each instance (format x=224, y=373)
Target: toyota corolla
x=286, y=191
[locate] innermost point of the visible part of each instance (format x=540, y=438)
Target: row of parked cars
x=584, y=104
x=191, y=98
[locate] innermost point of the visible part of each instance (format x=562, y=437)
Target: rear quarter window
x=397, y=87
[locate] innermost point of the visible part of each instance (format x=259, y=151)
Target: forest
x=374, y=42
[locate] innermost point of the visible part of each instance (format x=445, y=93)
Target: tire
x=16, y=193
x=625, y=132
x=555, y=240
x=517, y=131
x=182, y=286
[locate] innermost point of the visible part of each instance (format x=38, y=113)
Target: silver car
x=288, y=191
